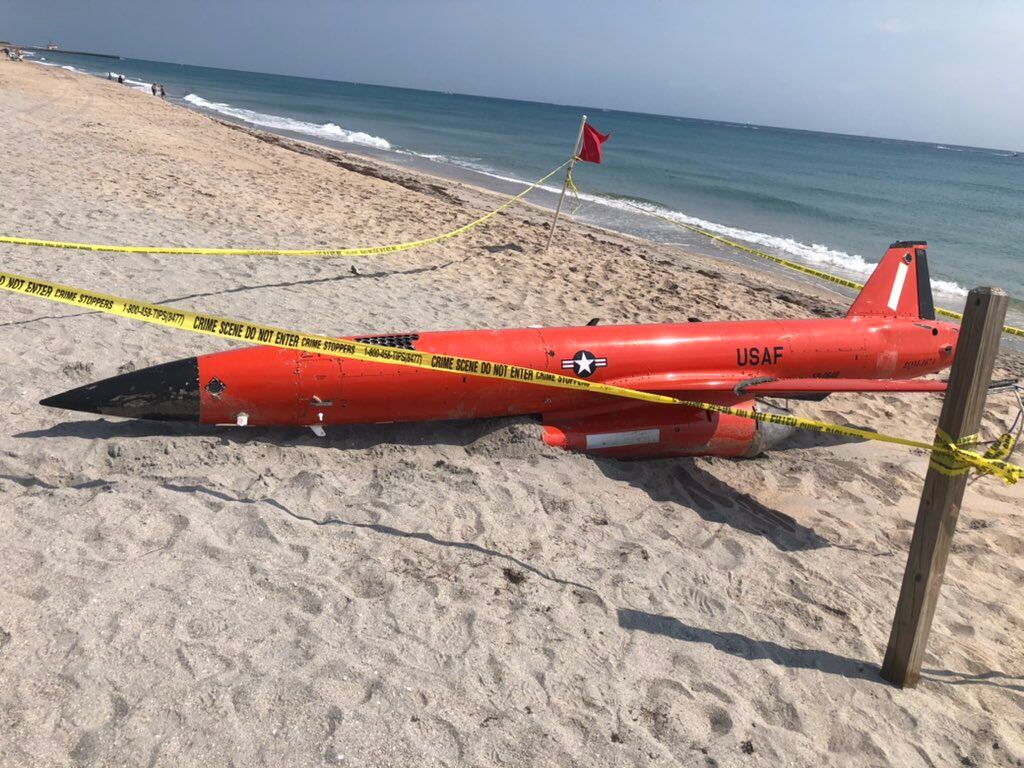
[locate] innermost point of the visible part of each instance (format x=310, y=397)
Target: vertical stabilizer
x=899, y=286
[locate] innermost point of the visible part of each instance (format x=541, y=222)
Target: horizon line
x=1015, y=152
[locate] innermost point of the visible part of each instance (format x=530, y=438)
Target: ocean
x=831, y=201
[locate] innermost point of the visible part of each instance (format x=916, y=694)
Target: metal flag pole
x=565, y=184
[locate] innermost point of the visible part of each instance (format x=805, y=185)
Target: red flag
x=592, y=141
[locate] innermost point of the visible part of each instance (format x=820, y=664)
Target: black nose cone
x=167, y=392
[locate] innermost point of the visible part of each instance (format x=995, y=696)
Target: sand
x=439, y=594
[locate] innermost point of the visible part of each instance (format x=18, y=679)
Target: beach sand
x=436, y=594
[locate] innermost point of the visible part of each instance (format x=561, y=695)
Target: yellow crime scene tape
x=835, y=279
x=326, y=252
x=947, y=455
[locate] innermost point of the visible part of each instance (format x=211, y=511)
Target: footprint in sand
x=777, y=710
x=367, y=580
x=667, y=714
x=962, y=630
x=724, y=553
x=719, y=720
x=435, y=737
x=715, y=691
x=204, y=626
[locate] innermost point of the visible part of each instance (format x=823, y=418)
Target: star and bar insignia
x=584, y=363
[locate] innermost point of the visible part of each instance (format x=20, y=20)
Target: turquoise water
x=829, y=200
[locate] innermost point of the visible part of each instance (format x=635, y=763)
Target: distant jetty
x=55, y=49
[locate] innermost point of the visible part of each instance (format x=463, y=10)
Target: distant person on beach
x=120, y=78
x=163, y=93
x=153, y=88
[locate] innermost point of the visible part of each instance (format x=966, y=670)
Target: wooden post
x=565, y=184
x=943, y=493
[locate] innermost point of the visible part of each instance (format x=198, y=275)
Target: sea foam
x=138, y=85
x=329, y=131
x=814, y=254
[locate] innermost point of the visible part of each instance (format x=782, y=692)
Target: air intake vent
x=405, y=341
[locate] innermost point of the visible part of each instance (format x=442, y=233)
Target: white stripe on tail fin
x=897, y=286
x=888, y=292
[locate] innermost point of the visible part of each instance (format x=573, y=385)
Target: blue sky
x=934, y=71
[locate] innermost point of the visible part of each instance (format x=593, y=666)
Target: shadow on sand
x=993, y=679
x=748, y=649
x=802, y=439
x=349, y=437
x=685, y=482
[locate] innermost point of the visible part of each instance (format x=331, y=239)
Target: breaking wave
x=977, y=151
x=329, y=131
x=138, y=85
x=809, y=253
x=46, y=63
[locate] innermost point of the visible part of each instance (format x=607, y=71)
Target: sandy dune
x=436, y=594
